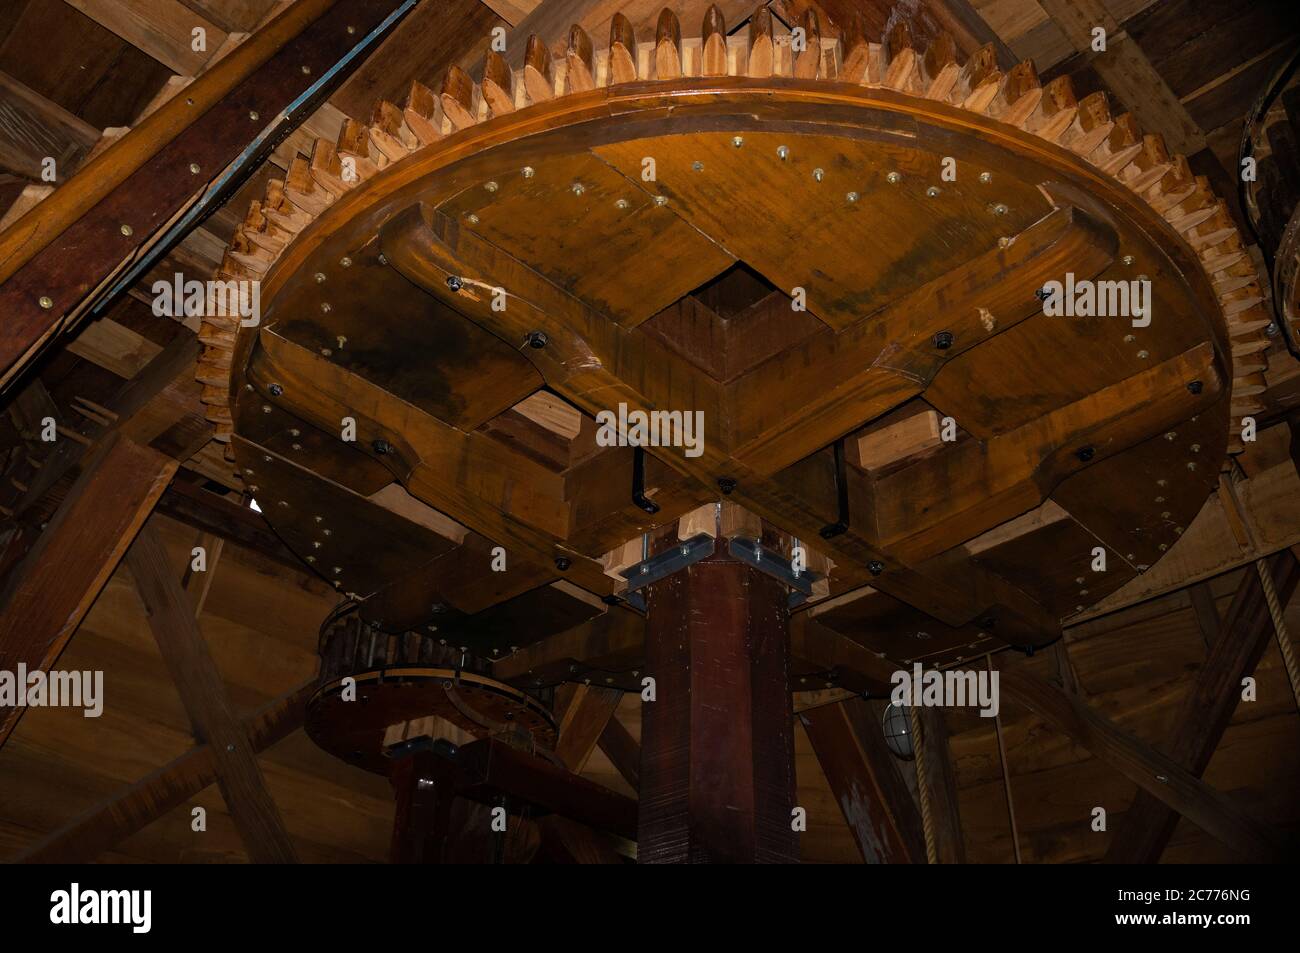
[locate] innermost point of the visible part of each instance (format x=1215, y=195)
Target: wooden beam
x=1149, y=823
x=587, y=711
x=1156, y=773
x=33, y=129
x=107, y=824
x=872, y=796
x=171, y=617
x=512, y=11
x=47, y=596
x=1128, y=73
x=623, y=752
x=72, y=242
x=164, y=29
x=942, y=783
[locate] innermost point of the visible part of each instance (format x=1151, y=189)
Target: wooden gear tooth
x=622, y=51
x=1116, y=146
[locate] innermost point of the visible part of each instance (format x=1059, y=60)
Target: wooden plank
x=1149, y=823
x=114, y=347
x=512, y=11
x=1156, y=773
x=58, y=253
x=161, y=28
x=32, y=129
x=183, y=648
x=623, y=752
x=872, y=796
x=47, y=596
x=587, y=712
x=1128, y=73
x=105, y=825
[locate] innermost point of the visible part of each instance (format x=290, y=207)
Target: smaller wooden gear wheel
x=406, y=686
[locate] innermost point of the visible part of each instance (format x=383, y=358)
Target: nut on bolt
x=537, y=340
x=876, y=567
x=454, y=283
x=382, y=447
x=726, y=484
x=943, y=340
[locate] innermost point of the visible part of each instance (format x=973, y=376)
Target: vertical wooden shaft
x=717, y=743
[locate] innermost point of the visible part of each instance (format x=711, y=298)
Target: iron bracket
x=647, y=571
x=772, y=563
x=638, y=482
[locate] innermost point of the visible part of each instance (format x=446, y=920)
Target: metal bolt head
x=454, y=282
x=622, y=204
x=852, y=196
x=932, y=191
x=986, y=177
x=276, y=390
x=697, y=165
x=382, y=447
x=876, y=567
x=194, y=168
x=319, y=277
x=537, y=340
x=491, y=186
x=127, y=230
x=471, y=218
x=1127, y=259
x=893, y=178
x=1195, y=387
x=528, y=172
x=819, y=174
x=737, y=141
x=578, y=188
x=46, y=302
x=1084, y=453
x=783, y=152
x=345, y=261
x=661, y=200
x=306, y=70
x=562, y=563
x=943, y=340
x=253, y=115
x=726, y=485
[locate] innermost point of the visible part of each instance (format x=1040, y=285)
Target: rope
x=1275, y=608
x=1279, y=627
x=922, y=788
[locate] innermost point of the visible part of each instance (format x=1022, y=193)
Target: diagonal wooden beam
x=1156, y=773
x=161, y=28
x=587, y=711
x=75, y=241
x=623, y=752
x=47, y=596
x=876, y=804
x=171, y=618
x=1149, y=823
x=1127, y=72
x=107, y=824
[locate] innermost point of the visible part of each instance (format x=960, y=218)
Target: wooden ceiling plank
x=512, y=11
x=47, y=596
x=162, y=28
x=171, y=618
x=875, y=802
x=1147, y=826
x=1155, y=772
x=104, y=826
x=33, y=129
